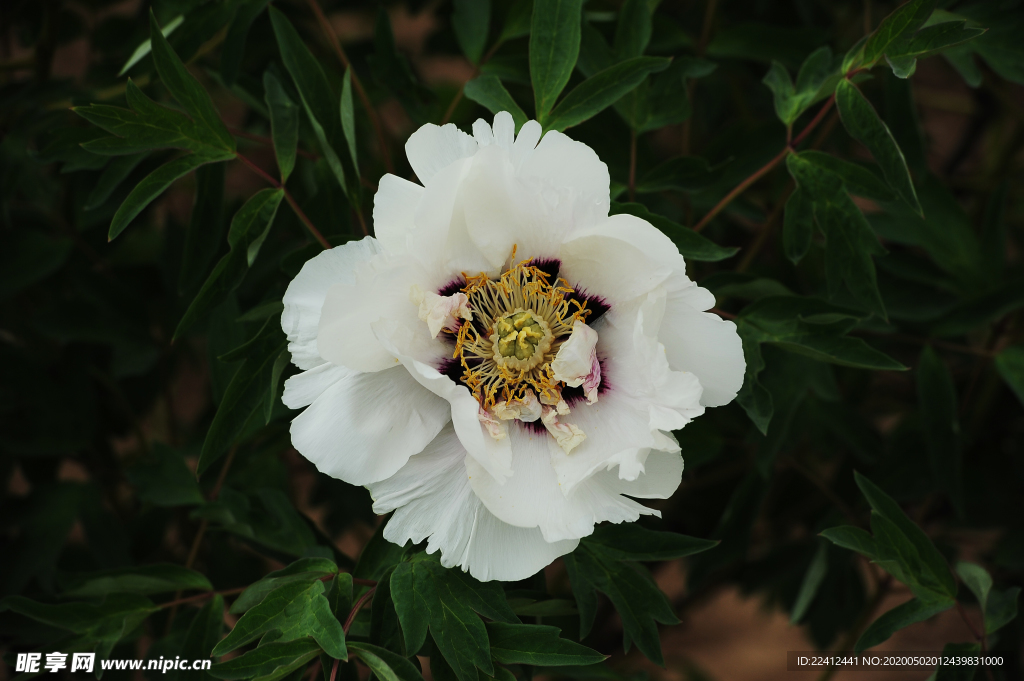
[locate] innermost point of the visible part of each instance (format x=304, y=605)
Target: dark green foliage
x=854, y=204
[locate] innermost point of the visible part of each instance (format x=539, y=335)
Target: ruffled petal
x=380, y=291
x=619, y=259
x=433, y=148
x=636, y=364
x=394, y=210
x=304, y=298
x=364, y=427
x=563, y=162
x=531, y=497
x=703, y=343
x=301, y=389
x=618, y=434
x=409, y=347
x=663, y=471
x=433, y=501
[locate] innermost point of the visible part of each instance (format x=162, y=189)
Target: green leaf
x=903, y=56
x=385, y=664
x=537, y=645
x=185, y=88
x=488, y=92
x=691, y=245
x=911, y=612
x=114, y=174
x=629, y=541
x=348, y=117
x=857, y=179
x=205, y=228
x=100, y=626
x=234, y=42
x=600, y=91
x=303, y=570
x=248, y=230
x=554, y=48
x=934, y=566
x=471, y=21
x=284, y=124
x=809, y=587
x=266, y=518
x=753, y=396
x=147, y=126
x=164, y=479
x=446, y=602
x=797, y=226
x=849, y=240
x=977, y=579
x=815, y=329
x=900, y=24
x=203, y=633
x=1010, y=365
x=633, y=29
x=517, y=21
x=267, y=658
x=146, y=47
x=783, y=92
x=143, y=579
x=314, y=90
x=957, y=672
x=153, y=185
x=1001, y=608
x=294, y=610
x=862, y=122
x=244, y=394
x=682, y=173
x=937, y=399
x=631, y=590
x=853, y=538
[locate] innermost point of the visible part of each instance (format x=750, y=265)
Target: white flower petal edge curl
x=502, y=366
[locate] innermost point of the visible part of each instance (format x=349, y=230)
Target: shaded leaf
x=898, y=25
x=471, y=21
x=302, y=570
x=911, y=612
x=205, y=227
x=809, y=587
x=164, y=479
x=600, y=91
x=937, y=399
x=385, y=664
x=142, y=579
x=234, y=42
x=554, y=48
x=635, y=542
x=862, y=122
x=284, y=124
x=488, y=92
x=267, y=658
x=536, y=645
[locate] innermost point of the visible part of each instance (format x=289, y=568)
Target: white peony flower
x=502, y=366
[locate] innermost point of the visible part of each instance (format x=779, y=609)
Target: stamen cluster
x=519, y=322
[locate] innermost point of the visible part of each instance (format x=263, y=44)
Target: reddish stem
x=199, y=597
x=763, y=170
x=289, y=198
x=357, y=607
x=371, y=112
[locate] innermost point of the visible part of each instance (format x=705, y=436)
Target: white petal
x=525, y=144
x=618, y=434
x=504, y=130
x=301, y=389
x=433, y=500
x=575, y=358
x=431, y=148
x=531, y=497
x=482, y=133
x=663, y=471
x=305, y=295
x=704, y=344
x=619, y=259
x=495, y=456
x=367, y=425
x=563, y=162
x=380, y=291
x=637, y=365
x=394, y=210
